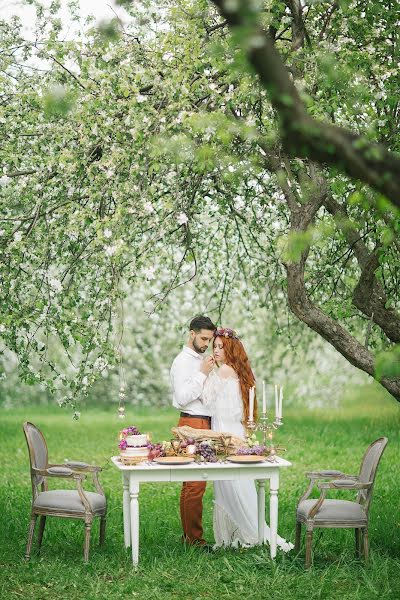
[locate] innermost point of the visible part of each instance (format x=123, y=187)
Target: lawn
x=330, y=438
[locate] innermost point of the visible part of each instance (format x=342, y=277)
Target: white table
x=133, y=476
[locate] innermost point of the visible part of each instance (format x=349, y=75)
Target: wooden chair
x=74, y=504
x=323, y=512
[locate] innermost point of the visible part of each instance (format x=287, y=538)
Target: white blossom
x=239, y=203
x=148, y=207
x=140, y=98
x=2, y=328
x=110, y=250
x=168, y=56
x=55, y=284
x=4, y=180
x=17, y=236
x=107, y=233
x=182, y=218
x=149, y=273
x=100, y=363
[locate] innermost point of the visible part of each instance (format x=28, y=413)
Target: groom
x=188, y=373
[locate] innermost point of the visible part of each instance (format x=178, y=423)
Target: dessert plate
x=173, y=460
x=246, y=458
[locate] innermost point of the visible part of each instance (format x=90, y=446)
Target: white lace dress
x=235, y=502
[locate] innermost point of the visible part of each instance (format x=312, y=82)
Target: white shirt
x=187, y=383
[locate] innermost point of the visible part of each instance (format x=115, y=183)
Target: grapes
x=207, y=452
x=155, y=450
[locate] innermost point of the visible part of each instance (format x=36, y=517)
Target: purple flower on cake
x=132, y=430
x=122, y=445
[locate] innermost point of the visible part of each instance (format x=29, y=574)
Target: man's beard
x=199, y=349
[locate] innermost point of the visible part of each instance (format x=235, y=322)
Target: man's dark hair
x=201, y=322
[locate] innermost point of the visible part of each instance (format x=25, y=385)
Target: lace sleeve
x=210, y=392
x=223, y=397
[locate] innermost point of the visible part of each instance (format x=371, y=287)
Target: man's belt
x=188, y=415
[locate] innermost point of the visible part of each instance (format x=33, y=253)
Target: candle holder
x=267, y=429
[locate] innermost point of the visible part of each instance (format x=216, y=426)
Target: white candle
x=251, y=403
x=280, y=401
x=264, y=399
x=276, y=402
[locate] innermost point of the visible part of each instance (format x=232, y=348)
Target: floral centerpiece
x=253, y=447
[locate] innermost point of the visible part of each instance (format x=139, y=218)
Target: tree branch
x=327, y=327
x=302, y=135
x=369, y=295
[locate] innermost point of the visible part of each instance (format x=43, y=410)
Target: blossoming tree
x=153, y=151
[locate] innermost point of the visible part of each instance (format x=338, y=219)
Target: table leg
x=134, y=506
x=126, y=510
x=273, y=511
x=261, y=510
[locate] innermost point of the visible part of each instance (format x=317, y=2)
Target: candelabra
x=267, y=430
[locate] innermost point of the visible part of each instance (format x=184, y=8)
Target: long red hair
x=236, y=357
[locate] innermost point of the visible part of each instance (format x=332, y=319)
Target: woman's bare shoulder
x=227, y=372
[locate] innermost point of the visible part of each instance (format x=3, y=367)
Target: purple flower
x=122, y=445
x=255, y=450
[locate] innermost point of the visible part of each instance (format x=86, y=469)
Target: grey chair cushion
x=59, y=471
x=340, y=511
x=76, y=464
x=69, y=501
x=344, y=482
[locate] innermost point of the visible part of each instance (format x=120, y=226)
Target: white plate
x=173, y=460
x=247, y=459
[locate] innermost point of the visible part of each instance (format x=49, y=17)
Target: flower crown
x=226, y=332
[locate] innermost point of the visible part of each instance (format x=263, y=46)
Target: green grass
x=315, y=439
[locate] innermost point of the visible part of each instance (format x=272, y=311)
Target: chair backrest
x=368, y=469
x=38, y=455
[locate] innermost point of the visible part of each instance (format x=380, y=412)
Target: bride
x=226, y=392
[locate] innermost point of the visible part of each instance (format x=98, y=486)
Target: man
x=188, y=373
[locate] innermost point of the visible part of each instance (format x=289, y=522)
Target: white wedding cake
x=133, y=444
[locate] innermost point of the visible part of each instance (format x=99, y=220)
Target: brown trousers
x=191, y=502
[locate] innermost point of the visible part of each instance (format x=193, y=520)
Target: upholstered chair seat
x=69, y=501
x=332, y=511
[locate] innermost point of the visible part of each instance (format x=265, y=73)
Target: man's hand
x=207, y=365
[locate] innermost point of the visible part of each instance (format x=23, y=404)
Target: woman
x=227, y=393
